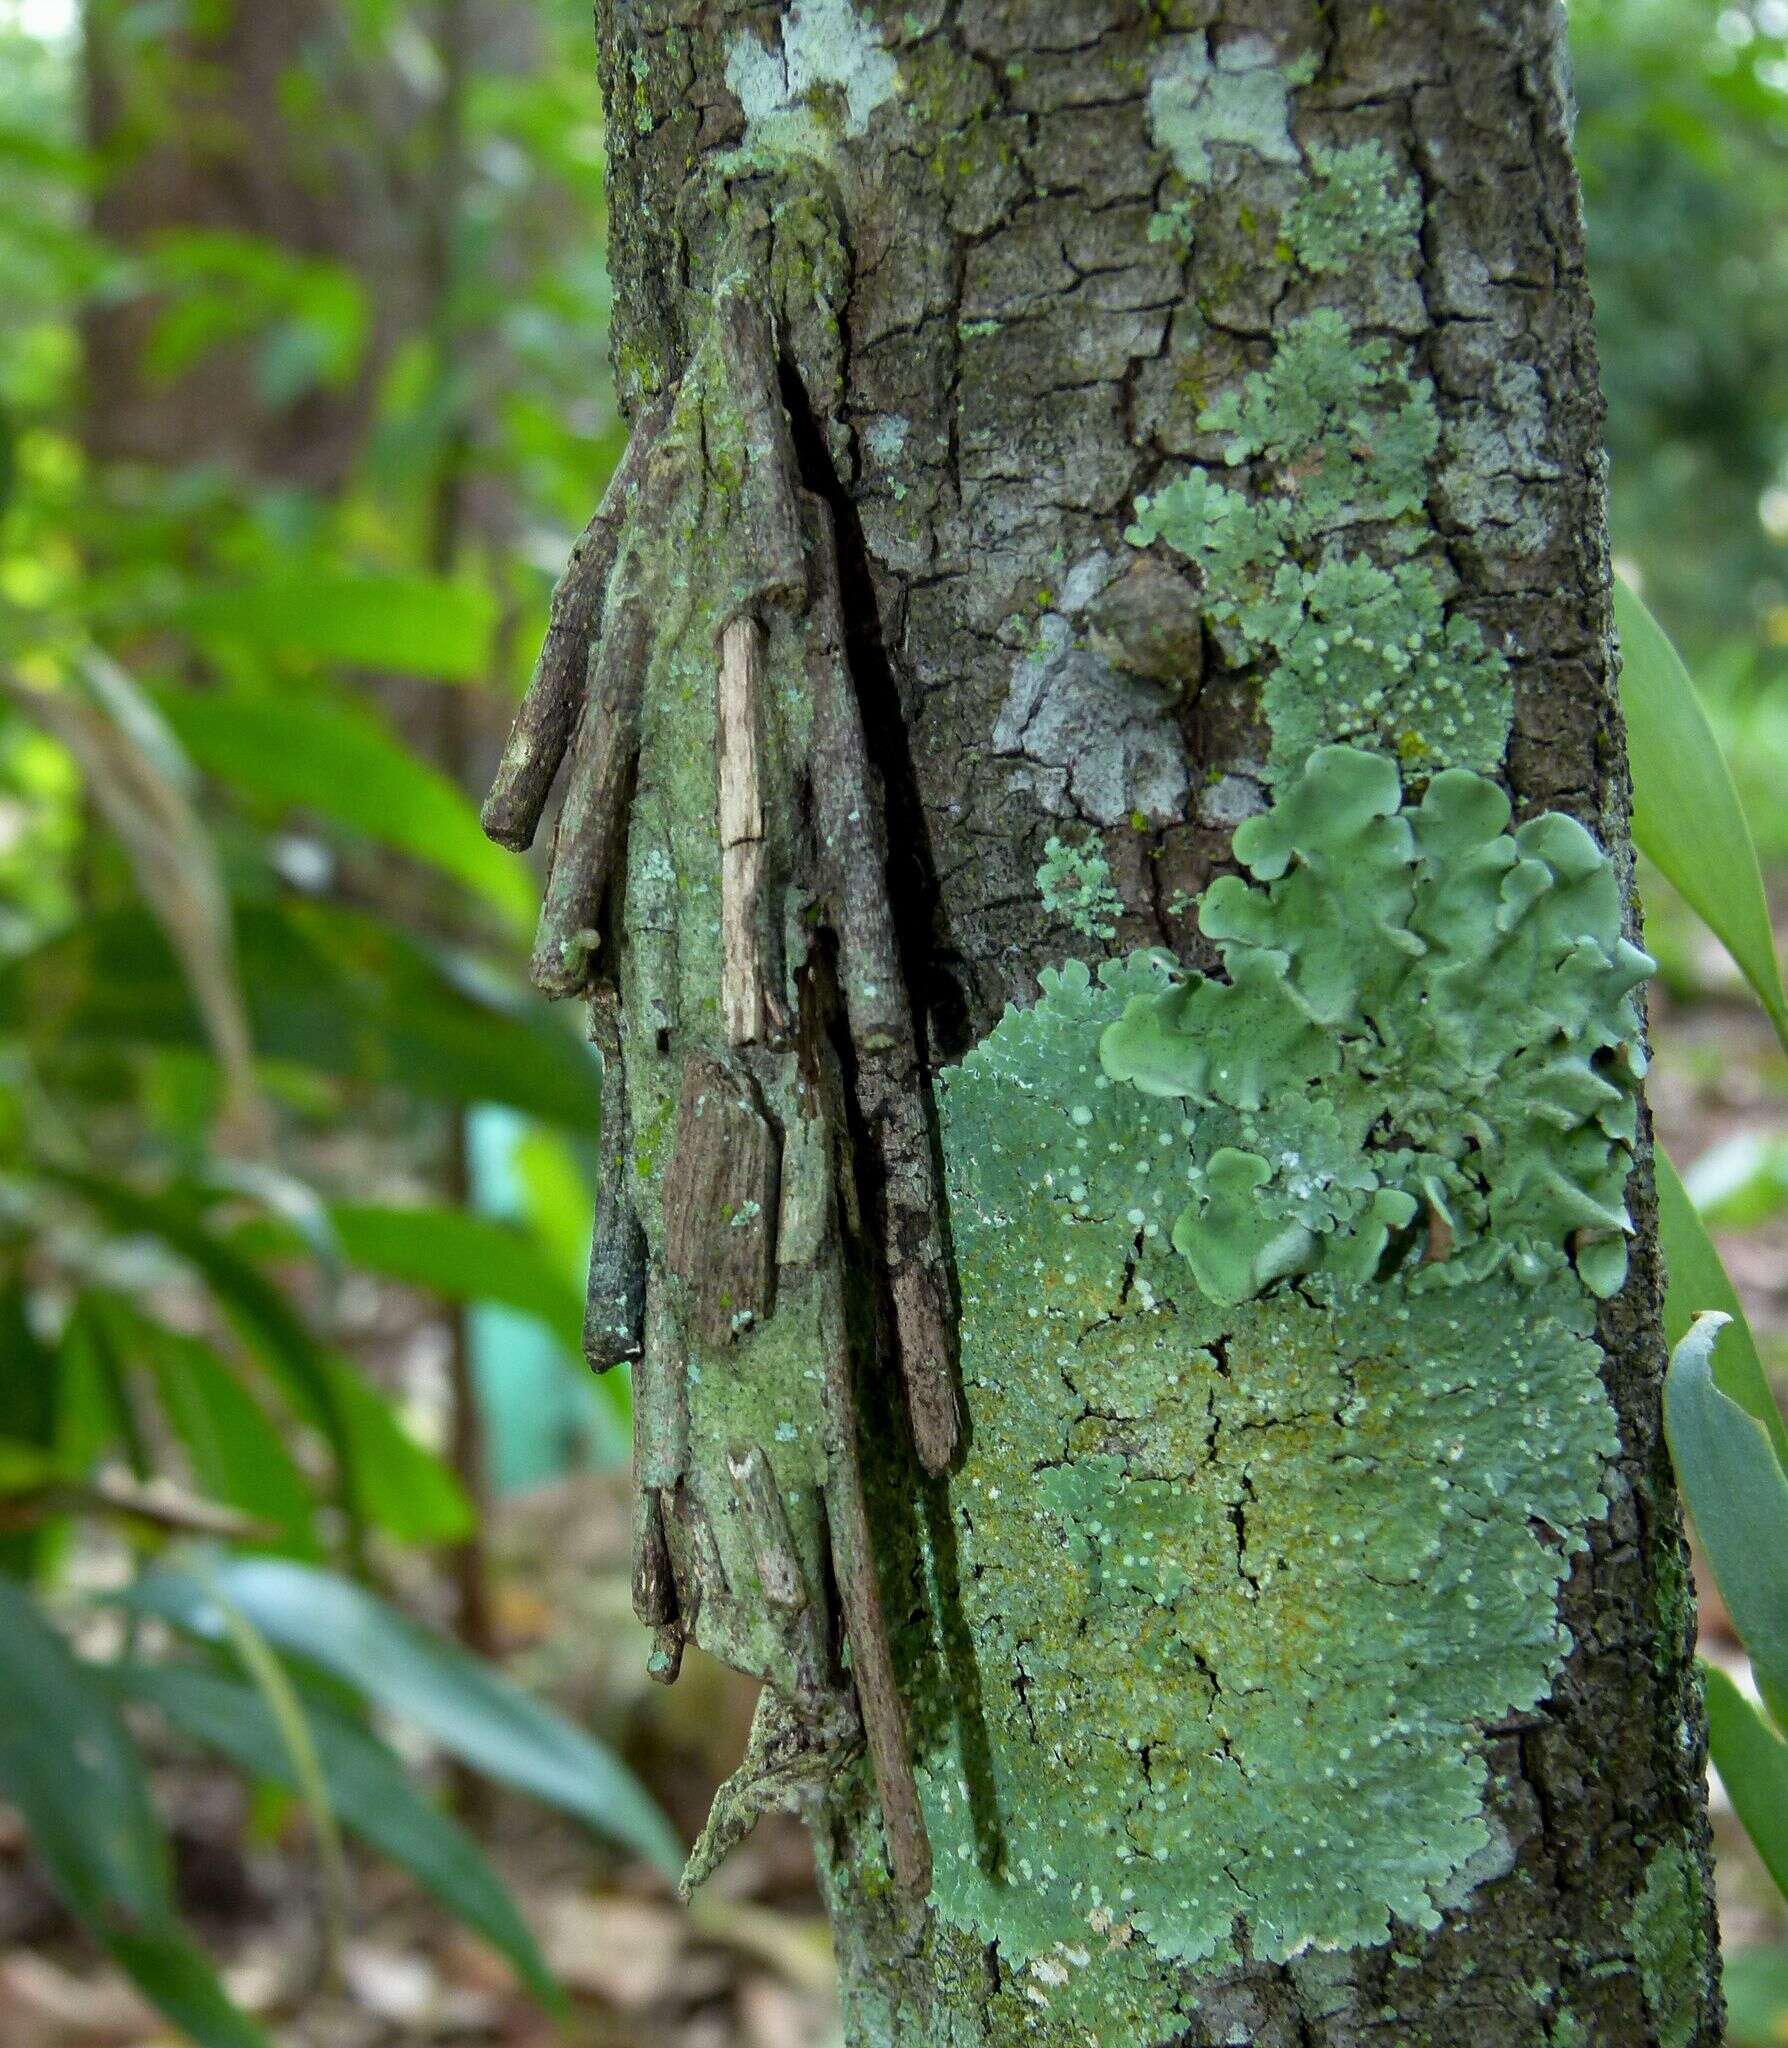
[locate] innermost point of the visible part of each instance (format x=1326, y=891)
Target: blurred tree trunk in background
x=1023, y=257
x=262, y=126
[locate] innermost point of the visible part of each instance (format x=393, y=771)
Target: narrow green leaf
x=1686, y=814
x=286, y=1712
x=30, y=1412
x=346, y=765
x=1741, y=1182
x=1696, y=1281
x=1737, y=1492
x=462, y=1257
x=410, y=1492
x=1755, y=1981
x=260, y=1312
x=177, y=1980
x=1752, y=1760
x=368, y=1787
x=469, y=1707
x=408, y=624
x=238, y=1456
x=68, y=1765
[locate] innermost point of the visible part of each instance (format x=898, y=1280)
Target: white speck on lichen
x=1239, y=98
x=824, y=43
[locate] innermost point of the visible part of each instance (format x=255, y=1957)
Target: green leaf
x=1737, y=1492
x=327, y=988
x=411, y=625
x=463, y=1258
x=1752, y=1760
x=1686, y=814
x=347, y=766
x=468, y=1706
x=1755, y=1981
x=30, y=1411
x=177, y=1979
x=410, y=1493
x=237, y=1454
x=68, y=1765
x=253, y=1303
x=367, y=1786
x=1742, y=1181
x=1696, y=1281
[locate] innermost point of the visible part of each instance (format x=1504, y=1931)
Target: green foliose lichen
x=1669, y=1940
x=1354, y=648
x=1425, y=1015
x=1316, y=550
x=1353, y=207
x=1247, y=1566
x=1075, y=882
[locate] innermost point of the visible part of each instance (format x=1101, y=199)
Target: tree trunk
x=1144, y=462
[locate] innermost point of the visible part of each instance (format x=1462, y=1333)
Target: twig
x=772, y=518
x=615, y=1303
x=890, y=1082
x=741, y=820
x=548, y=713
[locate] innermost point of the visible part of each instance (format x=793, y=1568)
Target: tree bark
x=1187, y=387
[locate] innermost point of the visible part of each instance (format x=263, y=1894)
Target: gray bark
x=1005, y=287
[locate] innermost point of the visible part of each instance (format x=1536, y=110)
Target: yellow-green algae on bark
x=1278, y=1343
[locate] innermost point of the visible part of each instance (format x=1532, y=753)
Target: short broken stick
x=890, y=1083
x=743, y=1005
x=615, y=1303
x=795, y=1612
x=548, y=713
x=866, y=1624
x=592, y=824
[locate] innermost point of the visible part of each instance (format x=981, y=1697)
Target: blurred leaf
x=1755, y=1981
x=1696, y=1281
x=30, y=1405
x=1737, y=1492
x=286, y=1712
x=1752, y=1760
x=1686, y=815
x=1740, y=1182
x=327, y=988
x=368, y=1787
x=237, y=1454
x=257, y=1308
x=134, y=776
x=469, y=1707
x=347, y=766
x=410, y=1493
x=409, y=625
x=69, y=1767
x=463, y=1258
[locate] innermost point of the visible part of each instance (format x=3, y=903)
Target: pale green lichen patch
x=1237, y=98
x=1425, y=1014
x=1353, y=207
x=1354, y=650
x=1669, y=1943
x=1075, y=883
x=826, y=77
x=1316, y=547
x=1245, y=1577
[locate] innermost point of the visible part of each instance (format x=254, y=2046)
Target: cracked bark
x=1015, y=360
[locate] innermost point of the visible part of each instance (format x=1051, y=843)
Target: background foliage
x=303, y=394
